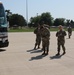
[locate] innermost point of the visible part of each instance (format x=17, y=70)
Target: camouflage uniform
x=38, y=37
x=45, y=34
x=61, y=40
x=69, y=31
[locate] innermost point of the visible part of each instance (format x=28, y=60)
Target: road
x=20, y=58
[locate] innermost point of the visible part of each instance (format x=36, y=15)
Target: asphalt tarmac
x=19, y=58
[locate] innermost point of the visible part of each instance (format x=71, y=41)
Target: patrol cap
x=60, y=26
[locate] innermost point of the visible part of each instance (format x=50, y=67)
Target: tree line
x=19, y=21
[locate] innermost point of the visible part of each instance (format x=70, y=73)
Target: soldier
x=69, y=31
x=61, y=39
x=45, y=35
x=38, y=37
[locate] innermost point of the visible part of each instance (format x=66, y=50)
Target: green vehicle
x=3, y=28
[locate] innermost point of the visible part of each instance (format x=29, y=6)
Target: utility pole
x=27, y=12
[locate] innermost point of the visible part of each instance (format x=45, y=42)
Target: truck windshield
x=2, y=16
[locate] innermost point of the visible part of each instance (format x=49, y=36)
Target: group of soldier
x=43, y=34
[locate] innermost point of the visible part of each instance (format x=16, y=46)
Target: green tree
x=72, y=23
x=46, y=18
x=17, y=20
x=59, y=21
x=34, y=21
x=8, y=14
x=67, y=22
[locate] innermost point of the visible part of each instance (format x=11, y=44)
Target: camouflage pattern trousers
x=45, y=44
x=61, y=43
x=38, y=40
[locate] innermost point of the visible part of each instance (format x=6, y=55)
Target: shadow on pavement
x=34, y=51
x=56, y=57
x=67, y=38
x=30, y=50
x=37, y=57
x=2, y=50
